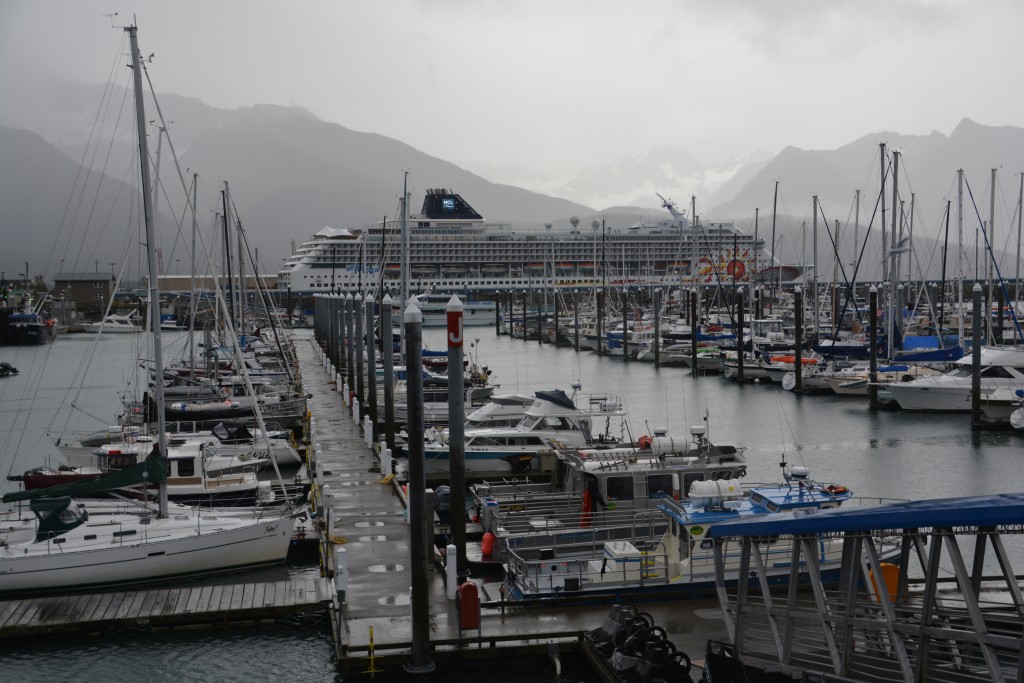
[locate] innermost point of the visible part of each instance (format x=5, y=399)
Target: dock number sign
x=454, y=328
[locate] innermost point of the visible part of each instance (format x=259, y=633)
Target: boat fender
x=487, y=543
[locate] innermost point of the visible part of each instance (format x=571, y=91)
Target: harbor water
x=74, y=384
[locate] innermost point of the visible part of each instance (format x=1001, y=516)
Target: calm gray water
x=874, y=453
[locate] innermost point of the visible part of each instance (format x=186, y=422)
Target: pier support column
x=350, y=356
x=873, y=342
x=694, y=331
x=739, y=335
x=456, y=432
x=420, y=662
x=388, y=350
x=977, y=337
x=371, y=366
x=798, y=333
x=360, y=341
x=657, y=327
x=576, y=318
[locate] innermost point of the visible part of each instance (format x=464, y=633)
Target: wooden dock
x=373, y=626
x=162, y=609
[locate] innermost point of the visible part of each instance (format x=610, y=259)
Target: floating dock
x=371, y=618
x=162, y=609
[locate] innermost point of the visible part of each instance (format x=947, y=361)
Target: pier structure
x=366, y=549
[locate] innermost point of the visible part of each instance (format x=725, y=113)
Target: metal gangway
x=949, y=609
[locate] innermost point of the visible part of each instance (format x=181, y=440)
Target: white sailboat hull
x=178, y=547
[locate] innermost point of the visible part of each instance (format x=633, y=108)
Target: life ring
x=644, y=441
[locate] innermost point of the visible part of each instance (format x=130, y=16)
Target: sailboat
x=72, y=544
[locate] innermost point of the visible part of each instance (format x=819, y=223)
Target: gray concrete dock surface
x=370, y=524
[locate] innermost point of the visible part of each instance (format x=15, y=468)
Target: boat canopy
x=993, y=510
x=558, y=397
x=232, y=432
x=56, y=516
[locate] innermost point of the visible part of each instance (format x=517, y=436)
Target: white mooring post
x=341, y=572
x=451, y=570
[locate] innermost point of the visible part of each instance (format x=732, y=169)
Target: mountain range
x=291, y=173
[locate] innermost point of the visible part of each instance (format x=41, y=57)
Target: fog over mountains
x=292, y=173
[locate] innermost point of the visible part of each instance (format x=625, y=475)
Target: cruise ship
x=452, y=248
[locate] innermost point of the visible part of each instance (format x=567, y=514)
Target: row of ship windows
x=444, y=283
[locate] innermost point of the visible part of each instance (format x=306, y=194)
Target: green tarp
x=150, y=471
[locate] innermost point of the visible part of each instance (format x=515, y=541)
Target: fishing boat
x=600, y=489
x=577, y=564
x=25, y=326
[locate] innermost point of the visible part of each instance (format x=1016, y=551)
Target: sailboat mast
x=1020, y=206
x=241, y=276
x=959, y=252
x=405, y=242
x=775, y=206
x=991, y=257
x=942, y=288
x=226, y=217
x=815, y=306
x=856, y=254
x=696, y=254
x=405, y=258
x=894, y=328
x=154, y=280
x=882, y=173
x=756, y=279
x=192, y=284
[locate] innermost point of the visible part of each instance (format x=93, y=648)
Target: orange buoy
x=487, y=543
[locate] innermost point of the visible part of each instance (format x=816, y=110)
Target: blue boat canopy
x=994, y=510
x=558, y=397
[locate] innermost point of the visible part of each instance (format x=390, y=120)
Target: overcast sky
x=556, y=85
